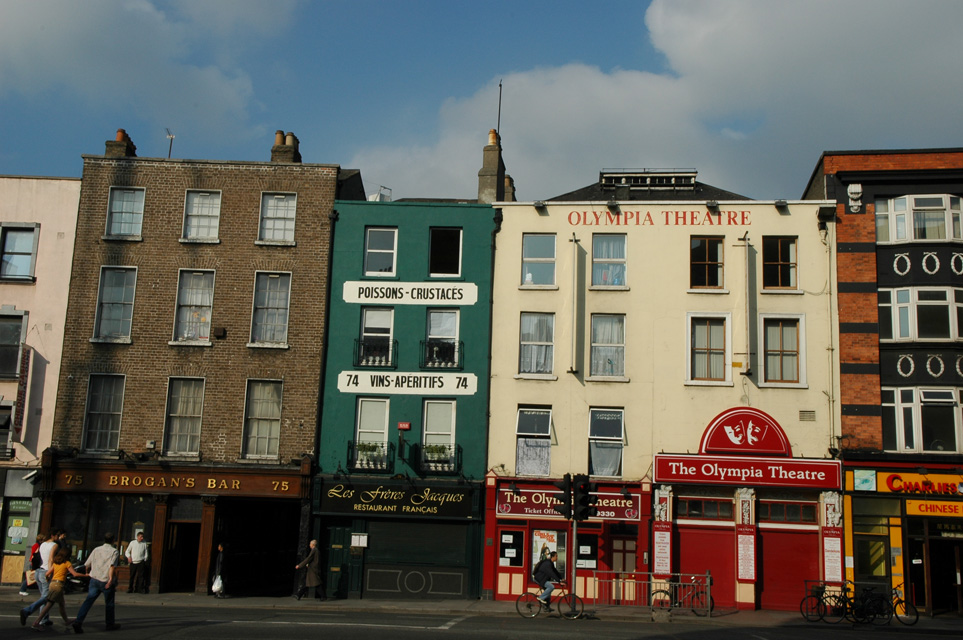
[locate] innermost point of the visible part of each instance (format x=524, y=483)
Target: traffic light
x=584, y=498
x=565, y=505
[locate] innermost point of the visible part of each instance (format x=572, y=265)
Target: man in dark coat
x=312, y=577
x=546, y=575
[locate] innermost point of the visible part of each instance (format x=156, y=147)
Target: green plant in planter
x=436, y=452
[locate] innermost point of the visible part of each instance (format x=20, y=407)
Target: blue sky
x=749, y=92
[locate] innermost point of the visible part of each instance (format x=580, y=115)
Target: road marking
x=451, y=624
x=443, y=627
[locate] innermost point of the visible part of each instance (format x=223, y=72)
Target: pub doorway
x=181, y=544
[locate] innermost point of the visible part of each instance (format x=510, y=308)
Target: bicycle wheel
x=860, y=611
x=698, y=604
x=812, y=608
x=570, y=606
x=905, y=612
x=882, y=610
x=528, y=605
x=834, y=608
x=661, y=600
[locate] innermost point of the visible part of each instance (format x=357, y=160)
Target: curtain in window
x=271, y=308
x=194, y=295
x=371, y=421
x=608, y=253
x=104, y=408
x=605, y=458
x=438, y=423
x=608, y=360
x=708, y=349
x=532, y=456
x=263, y=419
x=184, y=411
x=537, y=328
x=782, y=356
x=929, y=225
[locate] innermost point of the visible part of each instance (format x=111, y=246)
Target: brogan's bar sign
x=396, y=500
x=749, y=471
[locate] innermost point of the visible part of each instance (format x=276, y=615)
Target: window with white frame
x=105, y=406
x=18, y=251
x=115, y=303
x=918, y=218
x=709, y=342
x=195, y=297
x=272, y=293
x=782, y=349
x=705, y=262
x=608, y=345
x=918, y=420
x=12, y=335
x=441, y=346
x=125, y=214
x=608, y=260
x=538, y=259
x=277, y=217
x=375, y=348
x=262, y=419
x=380, y=250
x=439, y=433
x=533, y=440
x=444, y=252
x=606, y=437
x=536, y=344
x=202, y=215
x=185, y=404
x=931, y=313
x=778, y=262
x=371, y=441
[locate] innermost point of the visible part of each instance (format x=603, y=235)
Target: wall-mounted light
x=781, y=203
x=514, y=488
x=613, y=206
x=712, y=204
x=625, y=493
x=833, y=452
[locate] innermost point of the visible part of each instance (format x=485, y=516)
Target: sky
x=748, y=92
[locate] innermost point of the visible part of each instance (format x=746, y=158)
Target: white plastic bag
x=218, y=586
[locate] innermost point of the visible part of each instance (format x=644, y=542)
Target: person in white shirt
x=102, y=568
x=136, y=554
x=47, y=549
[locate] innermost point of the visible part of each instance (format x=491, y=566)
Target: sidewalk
x=941, y=625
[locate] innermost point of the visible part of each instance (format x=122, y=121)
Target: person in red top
x=30, y=562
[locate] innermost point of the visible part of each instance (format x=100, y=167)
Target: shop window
x=12, y=328
x=783, y=350
x=376, y=347
x=444, y=252
x=608, y=346
x=185, y=404
x=920, y=314
x=790, y=512
x=18, y=251
x=605, y=442
x=608, y=260
x=380, y=248
x=125, y=214
x=705, y=263
x=709, y=352
x=538, y=259
x=533, y=441
x=195, y=298
x=371, y=441
x=511, y=549
x=262, y=419
x=105, y=405
x=922, y=420
x=202, y=215
x=272, y=297
x=919, y=218
x=277, y=218
x=703, y=509
x=536, y=343
x=115, y=304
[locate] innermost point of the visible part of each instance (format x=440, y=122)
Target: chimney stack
x=121, y=146
x=491, y=177
x=285, y=147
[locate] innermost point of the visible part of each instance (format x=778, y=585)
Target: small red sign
x=404, y=426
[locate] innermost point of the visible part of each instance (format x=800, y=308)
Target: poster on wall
x=544, y=542
x=746, y=552
x=833, y=554
x=662, y=549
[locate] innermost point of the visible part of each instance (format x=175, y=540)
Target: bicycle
x=905, y=612
x=689, y=595
x=860, y=608
x=569, y=605
x=811, y=606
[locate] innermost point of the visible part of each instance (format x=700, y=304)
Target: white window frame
x=201, y=205
x=200, y=313
x=453, y=339
x=431, y=248
x=544, y=439
x=535, y=344
x=367, y=331
x=257, y=340
x=368, y=250
x=896, y=217
x=188, y=423
x=6, y=228
x=125, y=207
x=607, y=440
x=276, y=225
x=600, y=263
x=432, y=435
x=691, y=317
x=103, y=439
x=527, y=280
x=903, y=308
x=781, y=262
x=124, y=336
x=800, y=319
x=18, y=326
x=907, y=403
x=372, y=436
x=255, y=423
x=619, y=346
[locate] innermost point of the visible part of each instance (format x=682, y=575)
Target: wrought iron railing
x=376, y=352
x=440, y=458
x=442, y=354
x=371, y=456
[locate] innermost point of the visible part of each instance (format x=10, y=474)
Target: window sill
x=190, y=343
x=199, y=240
x=602, y=287
x=607, y=379
x=22, y=280
x=536, y=376
x=99, y=455
x=110, y=238
x=378, y=274
x=538, y=287
x=784, y=385
x=268, y=345
x=258, y=460
x=126, y=340
x=448, y=277
x=783, y=292
x=709, y=383
x=276, y=243
x=181, y=457
x=708, y=290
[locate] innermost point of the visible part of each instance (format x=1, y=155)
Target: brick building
x=900, y=292
x=188, y=398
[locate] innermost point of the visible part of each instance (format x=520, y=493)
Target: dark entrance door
x=945, y=571
x=180, y=556
x=338, y=566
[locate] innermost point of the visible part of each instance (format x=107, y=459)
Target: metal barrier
x=680, y=592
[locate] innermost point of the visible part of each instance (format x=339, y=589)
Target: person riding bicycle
x=545, y=574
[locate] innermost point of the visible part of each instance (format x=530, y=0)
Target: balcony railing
x=442, y=354
x=371, y=456
x=376, y=352
x=440, y=458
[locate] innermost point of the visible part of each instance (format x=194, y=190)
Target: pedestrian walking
x=218, y=582
x=57, y=578
x=102, y=568
x=46, y=555
x=136, y=554
x=312, y=575
x=33, y=563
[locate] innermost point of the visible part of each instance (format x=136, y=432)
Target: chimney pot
x=278, y=137
x=289, y=139
x=492, y=136
x=121, y=135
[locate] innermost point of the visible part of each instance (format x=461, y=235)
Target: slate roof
x=598, y=191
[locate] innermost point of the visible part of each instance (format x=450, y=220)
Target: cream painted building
x=652, y=315
x=38, y=220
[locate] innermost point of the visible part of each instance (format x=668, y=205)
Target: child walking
x=57, y=574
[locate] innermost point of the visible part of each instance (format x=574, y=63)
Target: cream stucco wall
x=52, y=203
x=663, y=413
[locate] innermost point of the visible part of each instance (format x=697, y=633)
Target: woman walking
x=57, y=574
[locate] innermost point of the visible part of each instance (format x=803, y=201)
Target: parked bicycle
x=687, y=595
x=903, y=610
x=569, y=605
x=862, y=607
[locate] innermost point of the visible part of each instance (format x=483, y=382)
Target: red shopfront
x=521, y=527
x=759, y=520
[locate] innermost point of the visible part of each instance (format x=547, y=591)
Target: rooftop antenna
x=170, y=147
x=498, y=125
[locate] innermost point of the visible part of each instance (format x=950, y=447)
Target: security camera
x=29, y=475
